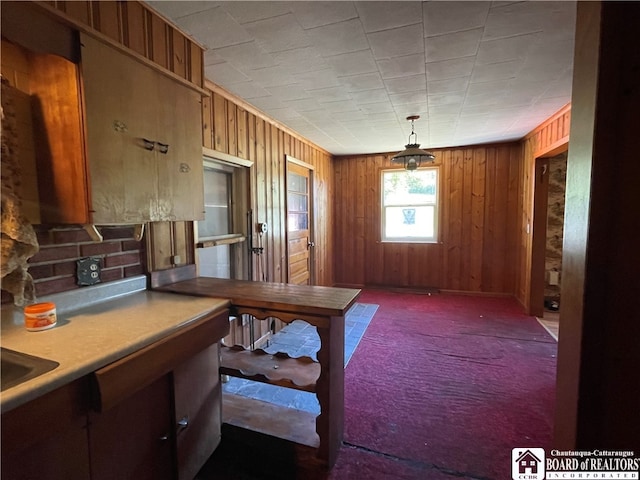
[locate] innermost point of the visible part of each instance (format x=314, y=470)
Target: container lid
x=39, y=307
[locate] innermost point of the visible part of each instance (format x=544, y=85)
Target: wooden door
x=299, y=224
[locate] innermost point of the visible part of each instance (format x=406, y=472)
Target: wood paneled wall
x=235, y=127
x=547, y=140
x=136, y=26
x=551, y=136
x=480, y=203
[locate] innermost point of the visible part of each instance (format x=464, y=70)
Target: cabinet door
x=198, y=410
x=121, y=109
x=180, y=173
x=46, y=438
x=133, y=439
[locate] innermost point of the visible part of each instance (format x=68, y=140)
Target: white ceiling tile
x=271, y=76
x=176, y=10
x=453, y=45
x=496, y=86
x=458, y=84
x=316, y=80
x=278, y=34
x=402, y=66
x=408, y=98
x=403, y=111
x=505, y=49
x=457, y=67
x=350, y=115
x=288, y=92
x=364, y=81
x=376, y=16
x=397, y=42
x=370, y=96
x=251, y=11
x=225, y=74
x=482, y=99
x=248, y=90
x=496, y=71
x=300, y=60
x=245, y=56
x=311, y=66
x=502, y=23
x=268, y=103
x=412, y=83
x=353, y=63
x=382, y=107
x=340, y=106
x=304, y=105
x=211, y=58
x=337, y=38
x=449, y=17
x=454, y=98
x=214, y=28
x=317, y=14
x=331, y=94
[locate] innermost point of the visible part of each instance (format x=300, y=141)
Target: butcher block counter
x=318, y=439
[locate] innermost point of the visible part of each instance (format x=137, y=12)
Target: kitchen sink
x=18, y=367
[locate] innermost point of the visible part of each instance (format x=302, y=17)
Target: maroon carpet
x=440, y=387
x=444, y=386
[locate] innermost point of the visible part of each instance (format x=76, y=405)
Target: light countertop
x=88, y=338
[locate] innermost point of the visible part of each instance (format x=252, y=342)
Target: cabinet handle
x=182, y=424
x=164, y=437
x=163, y=147
x=149, y=144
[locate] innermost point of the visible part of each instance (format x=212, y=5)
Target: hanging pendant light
x=412, y=156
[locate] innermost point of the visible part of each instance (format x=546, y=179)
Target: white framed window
x=410, y=205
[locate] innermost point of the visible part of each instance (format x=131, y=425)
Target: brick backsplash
x=53, y=268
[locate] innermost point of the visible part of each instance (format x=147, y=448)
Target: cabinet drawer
x=120, y=379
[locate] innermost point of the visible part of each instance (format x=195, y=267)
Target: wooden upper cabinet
x=143, y=140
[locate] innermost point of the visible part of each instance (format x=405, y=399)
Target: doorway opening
x=553, y=188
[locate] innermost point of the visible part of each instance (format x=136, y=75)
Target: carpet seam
x=431, y=466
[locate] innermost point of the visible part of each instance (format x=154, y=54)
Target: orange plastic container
x=40, y=316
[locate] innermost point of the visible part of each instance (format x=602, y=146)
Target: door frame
x=312, y=254
x=537, y=267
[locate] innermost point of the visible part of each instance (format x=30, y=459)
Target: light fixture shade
x=412, y=157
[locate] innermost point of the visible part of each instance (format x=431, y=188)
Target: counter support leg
x=330, y=391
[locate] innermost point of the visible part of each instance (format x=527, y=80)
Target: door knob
x=182, y=424
x=310, y=244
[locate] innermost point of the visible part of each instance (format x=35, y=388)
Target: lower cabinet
x=133, y=439
x=198, y=410
x=46, y=438
x=155, y=414
x=159, y=410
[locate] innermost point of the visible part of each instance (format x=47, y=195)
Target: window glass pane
x=410, y=188
x=296, y=183
x=216, y=204
x=215, y=262
x=409, y=205
x=410, y=222
x=298, y=221
x=297, y=202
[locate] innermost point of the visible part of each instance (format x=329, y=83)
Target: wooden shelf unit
x=322, y=307
x=272, y=368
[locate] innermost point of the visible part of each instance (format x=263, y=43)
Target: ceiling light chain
x=412, y=156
